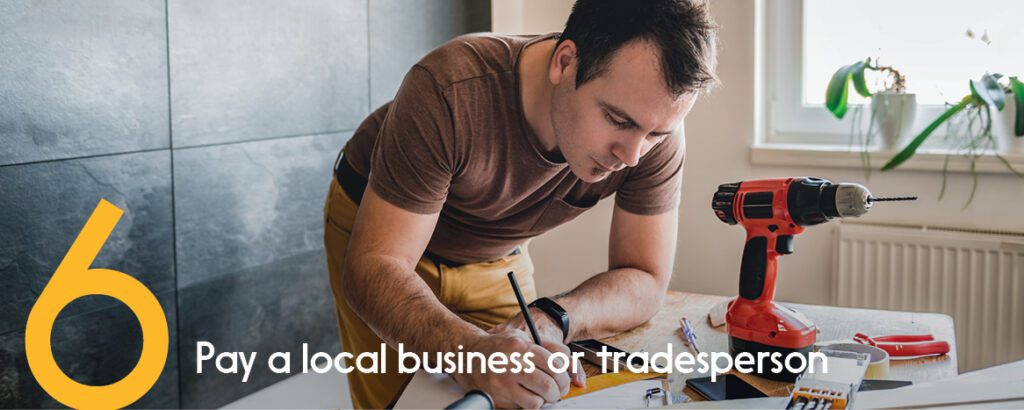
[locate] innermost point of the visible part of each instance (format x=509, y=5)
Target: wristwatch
x=556, y=312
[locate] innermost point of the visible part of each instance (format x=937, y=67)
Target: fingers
x=576, y=374
x=526, y=399
x=542, y=385
x=560, y=378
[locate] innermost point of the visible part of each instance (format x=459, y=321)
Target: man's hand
x=524, y=390
x=550, y=337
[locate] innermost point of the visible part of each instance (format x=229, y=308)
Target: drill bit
x=891, y=198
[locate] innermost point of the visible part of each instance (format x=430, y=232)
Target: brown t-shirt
x=455, y=140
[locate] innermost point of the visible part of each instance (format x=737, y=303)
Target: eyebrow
x=619, y=112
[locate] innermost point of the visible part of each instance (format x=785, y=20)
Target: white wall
x=720, y=131
x=529, y=16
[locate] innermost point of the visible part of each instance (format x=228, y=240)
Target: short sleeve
x=413, y=158
x=653, y=186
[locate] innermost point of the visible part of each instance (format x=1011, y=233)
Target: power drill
x=773, y=211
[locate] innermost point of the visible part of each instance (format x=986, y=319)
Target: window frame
x=788, y=119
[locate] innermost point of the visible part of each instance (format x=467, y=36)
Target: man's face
x=613, y=120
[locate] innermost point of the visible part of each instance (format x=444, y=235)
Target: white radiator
x=977, y=277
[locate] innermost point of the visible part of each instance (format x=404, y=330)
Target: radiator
x=977, y=277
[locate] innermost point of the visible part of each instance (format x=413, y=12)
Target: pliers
x=904, y=347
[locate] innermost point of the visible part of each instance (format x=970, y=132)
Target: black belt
x=351, y=182
x=354, y=186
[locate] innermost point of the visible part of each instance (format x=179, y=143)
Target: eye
x=618, y=124
x=657, y=138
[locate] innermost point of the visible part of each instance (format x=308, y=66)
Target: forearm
x=393, y=301
x=612, y=302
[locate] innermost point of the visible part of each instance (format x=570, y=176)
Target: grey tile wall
x=244, y=69
x=252, y=272
x=96, y=348
x=46, y=206
x=265, y=309
x=81, y=78
x=256, y=98
x=402, y=31
x=242, y=206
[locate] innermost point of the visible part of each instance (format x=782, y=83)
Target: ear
x=562, y=66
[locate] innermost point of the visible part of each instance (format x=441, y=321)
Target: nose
x=629, y=151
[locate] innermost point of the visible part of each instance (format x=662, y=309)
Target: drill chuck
x=852, y=200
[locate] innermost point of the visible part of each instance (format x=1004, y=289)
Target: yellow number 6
x=74, y=279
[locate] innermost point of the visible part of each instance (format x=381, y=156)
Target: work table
x=833, y=323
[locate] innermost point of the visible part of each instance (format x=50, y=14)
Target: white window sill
x=838, y=156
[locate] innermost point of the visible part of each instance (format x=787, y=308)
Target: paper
x=437, y=391
x=626, y=396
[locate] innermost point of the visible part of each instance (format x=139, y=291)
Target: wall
x=720, y=131
x=214, y=126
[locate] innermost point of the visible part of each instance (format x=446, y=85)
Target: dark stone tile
x=243, y=69
x=275, y=307
x=241, y=206
x=94, y=348
x=82, y=78
x=403, y=31
x=46, y=206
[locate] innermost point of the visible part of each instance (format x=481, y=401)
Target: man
x=495, y=139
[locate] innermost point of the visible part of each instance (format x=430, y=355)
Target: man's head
x=625, y=74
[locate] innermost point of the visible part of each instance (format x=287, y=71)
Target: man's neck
x=536, y=91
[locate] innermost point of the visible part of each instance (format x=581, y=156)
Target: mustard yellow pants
x=479, y=293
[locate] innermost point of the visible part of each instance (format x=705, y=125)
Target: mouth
x=604, y=167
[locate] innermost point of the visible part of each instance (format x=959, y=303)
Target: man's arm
x=640, y=256
x=641, y=251
x=382, y=287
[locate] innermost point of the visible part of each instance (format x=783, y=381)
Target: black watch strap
x=556, y=312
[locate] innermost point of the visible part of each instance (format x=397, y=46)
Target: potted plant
x=892, y=109
x=1009, y=125
x=969, y=125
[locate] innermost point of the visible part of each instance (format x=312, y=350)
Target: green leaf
x=858, y=80
x=1018, y=94
x=911, y=148
x=837, y=92
x=989, y=91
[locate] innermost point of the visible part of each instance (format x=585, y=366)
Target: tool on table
x=689, y=338
x=816, y=389
x=716, y=315
x=632, y=395
x=590, y=349
x=904, y=347
x=878, y=368
x=475, y=399
x=773, y=211
x=659, y=394
x=524, y=309
x=725, y=387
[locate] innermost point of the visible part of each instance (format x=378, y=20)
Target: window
x=806, y=41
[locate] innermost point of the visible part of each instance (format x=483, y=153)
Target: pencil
x=526, y=310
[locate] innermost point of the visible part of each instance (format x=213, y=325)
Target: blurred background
x=214, y=125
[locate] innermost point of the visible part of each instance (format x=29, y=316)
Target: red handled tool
x=903, y=347
x=773, y=211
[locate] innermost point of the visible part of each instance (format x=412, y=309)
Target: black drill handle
x=754, y=267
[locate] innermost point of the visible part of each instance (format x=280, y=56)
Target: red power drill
x=773, y=211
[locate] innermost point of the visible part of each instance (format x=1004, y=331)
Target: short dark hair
x=683, y=31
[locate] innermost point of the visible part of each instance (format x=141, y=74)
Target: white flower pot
x=1002, y=128
x=894, y=113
